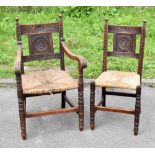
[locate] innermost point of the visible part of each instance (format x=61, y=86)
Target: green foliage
x=83, y=31
x=76, y=11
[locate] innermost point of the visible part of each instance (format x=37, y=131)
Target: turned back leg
x=63, y=94
x=103, y=97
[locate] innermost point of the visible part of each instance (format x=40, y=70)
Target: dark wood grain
x=124, y=29
x=127, y=54
x=92, y=105
x=38, y=28
x=124, y=45
x=113, y=109
x=51, y=112
x=137, y=110
x=40, y=40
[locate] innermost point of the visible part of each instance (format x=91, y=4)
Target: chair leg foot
x=92, y=122
x=24, y=137
x=137, y=110
x=81, y=111
x=81, y=118
x=81, y=121
x=92, y=105
x=136, y=124
x=23, y=129
x=22, y=119
x=92, y=126
x=81, y=128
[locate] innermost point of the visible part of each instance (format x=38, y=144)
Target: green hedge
x=83, y=30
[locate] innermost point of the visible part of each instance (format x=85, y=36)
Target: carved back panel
x=40, y=43
x=40, y=39
x=124, y=42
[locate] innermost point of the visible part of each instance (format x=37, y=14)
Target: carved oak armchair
x=36, y=83
x=124, y=43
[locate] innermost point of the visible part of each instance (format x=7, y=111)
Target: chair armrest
x=81, y=60
x=18, y=62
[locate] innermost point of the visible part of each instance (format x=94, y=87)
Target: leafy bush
x=77, y=11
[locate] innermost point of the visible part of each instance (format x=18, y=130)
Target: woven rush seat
x=48, y=81
x=118, y=79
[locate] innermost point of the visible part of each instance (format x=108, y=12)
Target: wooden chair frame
x=40, y=29
x=101, y=106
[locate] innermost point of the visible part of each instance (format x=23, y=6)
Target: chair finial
x=60, y=17
x=144, y=22
x=106, y=19
x=17, y=20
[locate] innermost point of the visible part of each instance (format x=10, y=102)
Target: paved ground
x=112, y=130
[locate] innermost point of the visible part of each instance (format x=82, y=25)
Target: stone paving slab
x=112, y=129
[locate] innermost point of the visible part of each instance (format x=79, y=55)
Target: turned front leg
x=92, y=105
x=81, y=101
x=137, y=110
x=22, y=118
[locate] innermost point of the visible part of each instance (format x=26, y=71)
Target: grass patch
x=83, y=31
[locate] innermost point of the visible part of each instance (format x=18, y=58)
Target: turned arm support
x=81, y=60
x=18, y=62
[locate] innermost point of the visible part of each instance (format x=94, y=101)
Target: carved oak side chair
x=124, y=43
x=37, y=83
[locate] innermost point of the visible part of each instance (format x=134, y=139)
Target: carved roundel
x=40, y=43
x=124, y=43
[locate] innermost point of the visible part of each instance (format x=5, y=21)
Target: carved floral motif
x=40, y=44
x=124, y=43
